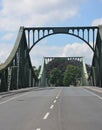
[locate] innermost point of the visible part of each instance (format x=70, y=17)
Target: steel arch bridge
x=17, y=71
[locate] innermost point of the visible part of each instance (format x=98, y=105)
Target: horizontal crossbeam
x=87, y=34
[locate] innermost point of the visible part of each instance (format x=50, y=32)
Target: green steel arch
x=79, y=32
x=17, y=71
x=89, y=34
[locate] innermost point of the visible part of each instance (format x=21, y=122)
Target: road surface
x=73, y=108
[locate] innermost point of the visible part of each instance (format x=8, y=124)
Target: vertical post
x=100, y=33
x=94, y=76
x=0, y=82
x=9, y=77
x=78, y=32
x=43, y=33
x=83, y=33
x=93, y=39
x=38, y=34
x=18, y=56
x=33, y=82
x=28, y=39
x=29, y=77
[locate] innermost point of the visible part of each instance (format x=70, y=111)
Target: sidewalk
x=95, y=89
x=13, y=92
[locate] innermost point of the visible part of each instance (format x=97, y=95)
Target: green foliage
x=55, y=77
x=67, y=77
x=37, y=71
x=71, y=75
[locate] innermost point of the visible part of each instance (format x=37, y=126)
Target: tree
x=55, y=77
x=71, y=75
x=37, y=71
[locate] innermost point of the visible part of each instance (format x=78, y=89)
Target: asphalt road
x=72, y=108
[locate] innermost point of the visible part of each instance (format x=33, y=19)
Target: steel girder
x=17, y=71
x=86, y=34
x=96, y=73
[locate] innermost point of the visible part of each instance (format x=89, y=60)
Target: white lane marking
x=13, y=98
x=38, y=129
x=52, y=106
x=46, y=115
x=93, y=94
x=57, y=97
x=59, y=93
x=54, y=101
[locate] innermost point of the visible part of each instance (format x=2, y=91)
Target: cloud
x=77, y=50
x=97, y=22
x=8, y=36
x=44, y=50
x=16, y=13
x=35, y=12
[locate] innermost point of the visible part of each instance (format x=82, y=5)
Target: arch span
x=86, y=34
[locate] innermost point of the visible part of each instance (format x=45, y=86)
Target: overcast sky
x=16, y=13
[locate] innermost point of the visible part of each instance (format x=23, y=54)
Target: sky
x=48, y=13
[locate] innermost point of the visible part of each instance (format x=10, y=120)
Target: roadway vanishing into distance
x=72, y=108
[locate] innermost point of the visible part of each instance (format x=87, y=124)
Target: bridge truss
x=43, y=81
x=17, y=71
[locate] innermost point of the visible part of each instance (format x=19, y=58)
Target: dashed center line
x=46, y=115
x=59, y=93
x=56, y=97
x=38, y=129
x=54, y=101
x=51, y=106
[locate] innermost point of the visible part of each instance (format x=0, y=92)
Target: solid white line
x=38, y=129
x=51, y=106
x=46, y=115
x=93, y=94
x=54, y=101
x=13, y=98
x=96, y=89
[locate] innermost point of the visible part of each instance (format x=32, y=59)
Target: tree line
x=71, y=76
x=62, y=72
